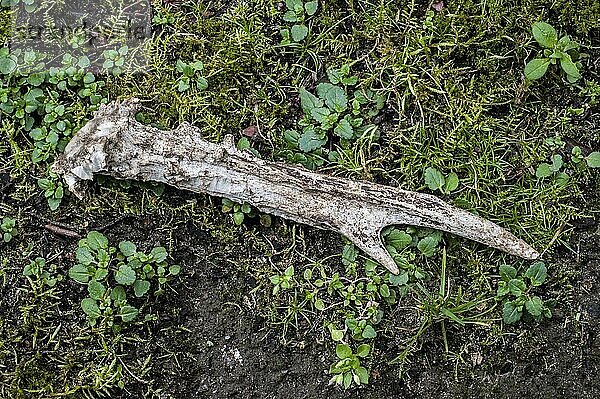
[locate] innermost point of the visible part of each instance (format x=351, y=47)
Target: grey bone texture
x=113, y=143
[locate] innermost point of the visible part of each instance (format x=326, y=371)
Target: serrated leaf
x=516, y=286
x=311, y=7
x=511, y=313
x=544, y=34
x=96, y=240
x=141, y=287
x=434, y=179
x=127, y=248
x=334, y=96
x=96, y=290
x=507, y=272
x=299, y=32
x=320, y=114
x=158, y=254
x=536, y=68
x=534, y=306
x=90, y=308
x=537, y=273
x=310, y=141
x=290, y=16
x=344, y=129
x=174, y=270
x=398, y=239
x=428, y=246
x=84, y=256
x=308, y=101
x=125, y=275
x=7, y=65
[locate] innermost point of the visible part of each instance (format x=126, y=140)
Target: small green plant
x=114, y=60
x=191, y=76
x=297, y=13
x=283, y=281
x=435, y=180
x=109, y=273
x=54, y=190
x=9, y=229
x=563, y=51
x=30, y=6
x=44, y=274
x=242, y=211
x=331, y=111
x=347, y=369
x=516, y=296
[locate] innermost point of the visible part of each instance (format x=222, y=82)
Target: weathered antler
x=115, y=144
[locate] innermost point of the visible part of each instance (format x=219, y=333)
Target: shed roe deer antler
x=115, y=144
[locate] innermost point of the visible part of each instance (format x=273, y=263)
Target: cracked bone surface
x=113, y=143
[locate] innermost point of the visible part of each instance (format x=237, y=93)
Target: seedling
x=331, y=111
x=563, y=51
x=283, y=281
x=54, y=190
x=297, y=12
x=114, y=60
x=348, y=369
x=44, y=274
x=435, y=180
x=517, y=297
x=9, y=229
x=191, y=76
x=109, y=273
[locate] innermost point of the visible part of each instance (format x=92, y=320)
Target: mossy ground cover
x=260, y=308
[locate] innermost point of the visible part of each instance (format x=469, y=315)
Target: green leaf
x=434, y=179
x=290, y=16
x=320, y=114
x=141, y=287
x=536, y=68
x=7, y=65
x=79, y=273
x=502, y=289
x=128, y=313
x=202, y=83
x=428, y=246
x=336, y=334
x=593, y=160
x=369, y=332
x=544, y=34
x=543, y=170
x=299, y=32
x=127, y=248
x=335, y=97
x=343, y=351
x=84, y=256
x=452, y=183
x=310, y=140
x=363, y=375
x=125, y=275
x=174, y=270
x=90, y=308
x=347, y=379
x=516, y=286
x=344, y=129
x=557, y=162
x=511, y=313
x=363, y=350
x=96, y=240
x=238, y=218
x=534, y=306
x=400, y=279
x=159, y=254
x=118, y=294
x=507, y=272
x=54, y=203
x=309, y=101
x=96, y=290
x=569, y=67
x=537, y=273
x=311, y=7
x=398, y=239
